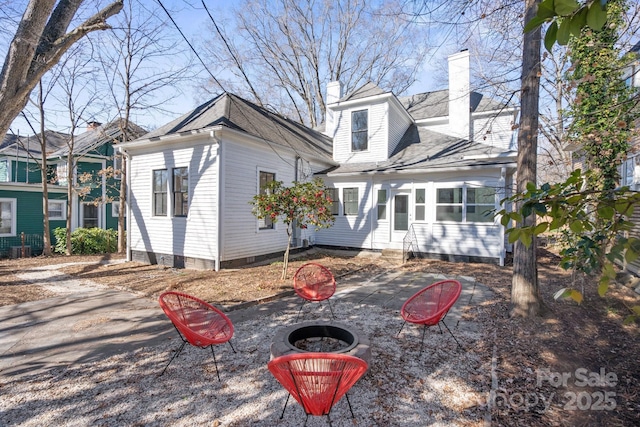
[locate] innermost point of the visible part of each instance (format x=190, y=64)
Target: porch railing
x=409, y=244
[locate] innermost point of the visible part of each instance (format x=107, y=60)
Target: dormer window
x=359, y=130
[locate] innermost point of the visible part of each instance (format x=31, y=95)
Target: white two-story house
x=422, y=172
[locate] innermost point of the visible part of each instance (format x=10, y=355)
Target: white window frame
x=7, y=162
x=417, y=204
x=365, y=149
x=167, y=192
x=62, y=173
x=261, y=224
x=463, y=203
x=345, y=201
x=117, y=166
x=335, y=201
x=382, y=203
x=14, y=217
x=63, y=213
x=115, y=208
x=173, y=192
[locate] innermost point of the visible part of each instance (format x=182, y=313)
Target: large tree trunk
x=46, y=232
x=525, y=294
x=38, y=44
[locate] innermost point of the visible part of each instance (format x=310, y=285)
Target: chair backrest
x=429, y=305
x=199, y=322
x=314, y=282
x=317, y=380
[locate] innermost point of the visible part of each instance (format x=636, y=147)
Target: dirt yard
x=576, y=366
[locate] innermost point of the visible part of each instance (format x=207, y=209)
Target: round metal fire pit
x=325, y=337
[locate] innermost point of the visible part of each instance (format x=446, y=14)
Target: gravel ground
x=443, y=387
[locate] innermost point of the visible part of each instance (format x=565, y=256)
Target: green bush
x=86, y=241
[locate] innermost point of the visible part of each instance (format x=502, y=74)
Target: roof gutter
x=422, y=170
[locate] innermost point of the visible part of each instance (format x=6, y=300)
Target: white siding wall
x=378, y=135
x=398, y=124
x=193, y=236
x=494, y=131
x=367, y=232
x=349, y=230
x=240, y=233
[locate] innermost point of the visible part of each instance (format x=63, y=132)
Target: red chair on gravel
x=197, y=322
x=314, y=283
x=430, y=305
x=317, y=380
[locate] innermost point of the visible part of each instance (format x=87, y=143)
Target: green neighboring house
x=95, y=197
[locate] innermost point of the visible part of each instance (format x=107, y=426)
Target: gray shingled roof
x=236, y=113
x=436, y=104
x=11, y=143
x=94, y=138
x=421, y=149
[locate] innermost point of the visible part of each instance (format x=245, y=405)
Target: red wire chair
x=197, y=322
x=317, y=380
x=314, y=283
x=430, y=305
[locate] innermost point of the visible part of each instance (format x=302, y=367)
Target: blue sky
x=193, y=20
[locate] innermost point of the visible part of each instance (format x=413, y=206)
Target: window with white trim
x=62, y=173
x=420, y=204
x=180, y=191
x=265, y=178
x=465, y=204
x=382, y=204
x=117, y=166
x=57, y=210
x=8, y=218
x=5, y=170
x=359, y=130
x=160, y=192
x=350, y=201
x=115, y=208
x=333, y=194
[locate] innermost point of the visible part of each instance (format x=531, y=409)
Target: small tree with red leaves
x=302, y=205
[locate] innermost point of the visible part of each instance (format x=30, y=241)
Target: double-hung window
x=382, y=204
x=8, y=217
x=5, y=173
x=332, y=193
x=160, y=192
x=265, y=223
x=420, y=204
x=57, y=210
x=180, y=191
x=465, y=204
x=359, y=130
x=350, y=201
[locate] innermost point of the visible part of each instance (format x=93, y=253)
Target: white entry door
x=400, y=217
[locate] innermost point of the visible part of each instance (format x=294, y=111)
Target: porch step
x=392, y=255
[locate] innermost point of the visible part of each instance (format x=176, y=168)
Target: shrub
x=86, y=241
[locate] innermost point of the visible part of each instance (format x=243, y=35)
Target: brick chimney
x=459, y=95
x=334, y=93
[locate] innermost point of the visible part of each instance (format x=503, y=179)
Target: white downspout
x=128, y=203
x=219, y=202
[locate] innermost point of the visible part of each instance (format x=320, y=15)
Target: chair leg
x=424, y=331
x=234, y=350
x=453, y=336
x=285, y=405
x=298, y=315
x=349, y=403
x=215, y=362
x=403, y=323
x=332, y=315
x=173, y=357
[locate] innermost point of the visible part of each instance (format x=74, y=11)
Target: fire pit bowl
x=324, y=337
